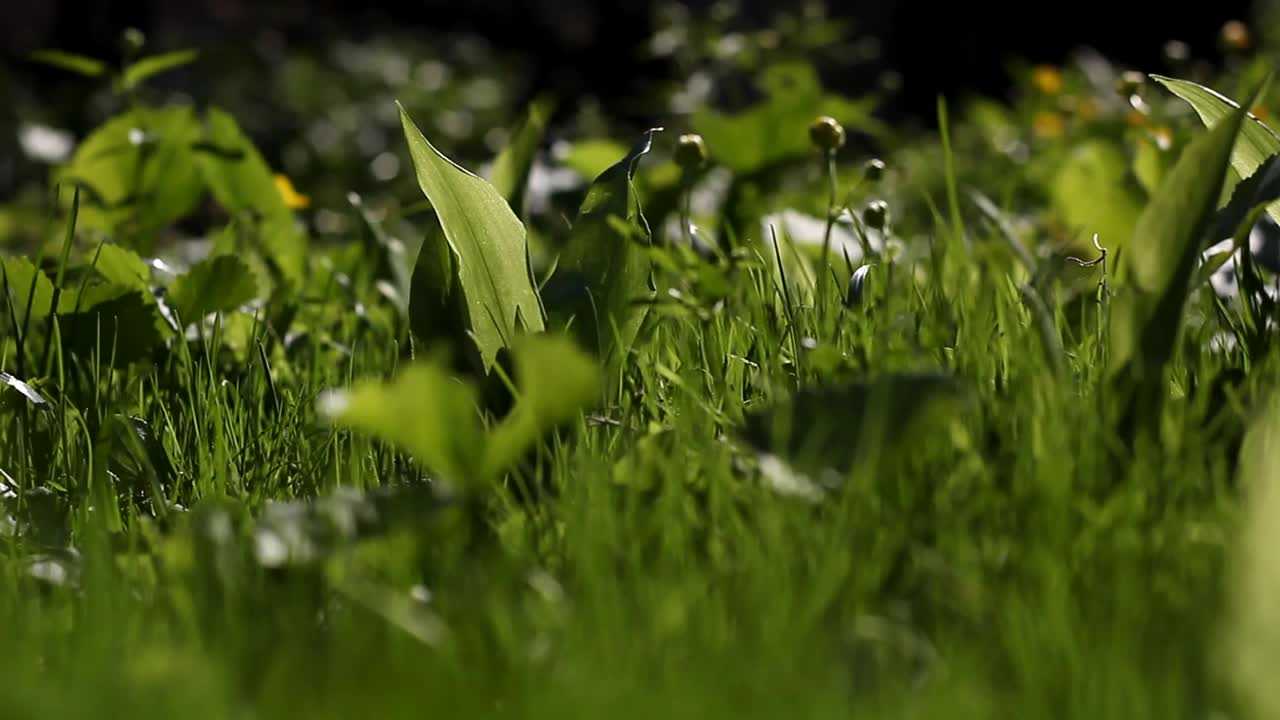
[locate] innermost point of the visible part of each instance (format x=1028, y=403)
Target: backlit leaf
x=218, y=284
x=1257, y=141
x=556, y=381
x=487, y=244
x=139, y=174
x=1156, y=266
x=425, y=412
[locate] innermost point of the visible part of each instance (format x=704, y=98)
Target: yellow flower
x=292, y=198
x=1235, y=36
x=1048, y=125
x=1047, y=79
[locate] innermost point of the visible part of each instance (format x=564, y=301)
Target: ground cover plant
x=774, y=411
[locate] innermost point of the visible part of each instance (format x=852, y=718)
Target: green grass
x=965, y=524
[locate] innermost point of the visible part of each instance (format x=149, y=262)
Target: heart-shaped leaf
x=487, y=245
x=119, y=266
x=139, y=174
x=218, y=284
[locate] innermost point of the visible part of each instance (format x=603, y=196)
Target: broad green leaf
x=510, y=175
x=244, y=184
x=556, y=381
x=1252, y=639
x=139, y=174
x=487, y=244
x=1156, y=266
x=1094, y=192
x=17, y=276
x=425, y=412
x=604, y=270
x=219, y=284
x=1257, y=141
x=836, y=427
x=79, y=64
x=154, y=65
x=119, y=266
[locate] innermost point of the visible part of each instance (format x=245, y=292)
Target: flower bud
x=131, y=41
x=827, y=134
x=876, y=214
x=873, y=170
x=1131, y=82
x=691, y=152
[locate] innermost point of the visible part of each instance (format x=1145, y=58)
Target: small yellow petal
x=292, y=198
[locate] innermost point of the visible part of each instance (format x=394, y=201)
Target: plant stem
x=832, y=209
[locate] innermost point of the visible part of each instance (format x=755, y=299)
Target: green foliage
x=71, y=62
x=711, y=492
x=1250, y=645
x=775, y=129
x=242, y=182
x=1157, y=265
x=435, y=418
x=1257, y=141
x=602, y=277
x=138, y=174
x=1093, y=192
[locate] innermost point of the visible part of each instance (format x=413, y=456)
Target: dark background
x=586, y=47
